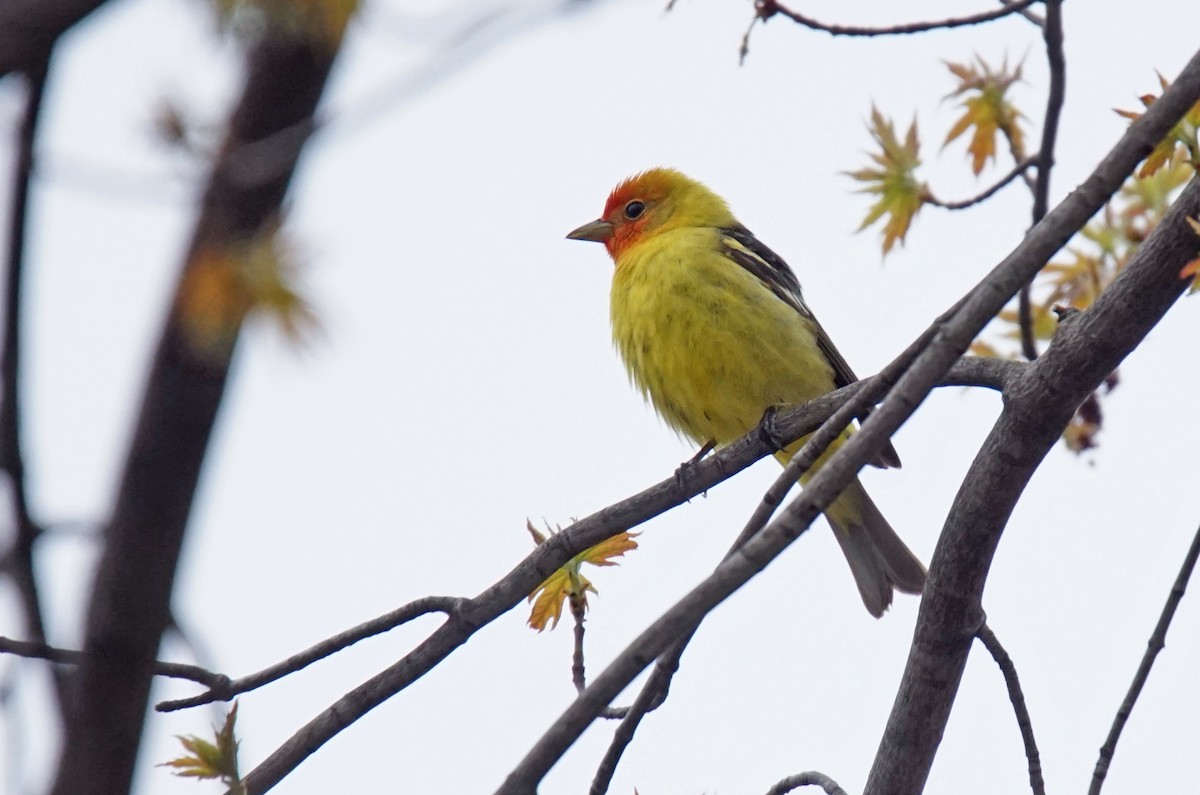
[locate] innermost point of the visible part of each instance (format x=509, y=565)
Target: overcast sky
x=464, y=381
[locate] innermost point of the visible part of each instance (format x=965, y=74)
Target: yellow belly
x=707, y=343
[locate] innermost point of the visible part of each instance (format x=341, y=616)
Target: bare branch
x=36, y=650
x=1052, y=33
x=226, y=688
x=1157, y=641
x=810, y=778
x=1017, y=170
x=1017, y=697
x=546, y=558
x=765, y=9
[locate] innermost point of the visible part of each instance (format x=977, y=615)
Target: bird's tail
x=878, y=559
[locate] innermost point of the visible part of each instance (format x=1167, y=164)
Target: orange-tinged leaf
x=603, y=553
x=901, y=196
x=1184, y=136
x=569, y=583
x=987, y=111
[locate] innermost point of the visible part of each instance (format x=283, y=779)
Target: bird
x=714, y=332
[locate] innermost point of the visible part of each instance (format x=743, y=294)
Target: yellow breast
x=706, y=342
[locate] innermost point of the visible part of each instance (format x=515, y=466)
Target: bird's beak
x=598, y=231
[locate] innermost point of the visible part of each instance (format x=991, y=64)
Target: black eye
x=634, y=209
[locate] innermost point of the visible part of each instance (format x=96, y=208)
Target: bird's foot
x=684, y=472
x=768, y=430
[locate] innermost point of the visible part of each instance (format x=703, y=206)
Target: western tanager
x=714, y=331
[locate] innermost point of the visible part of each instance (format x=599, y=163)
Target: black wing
x=748, y=251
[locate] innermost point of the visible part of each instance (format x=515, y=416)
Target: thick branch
x=810, y=778
x=129, y=608
x=1085, y=350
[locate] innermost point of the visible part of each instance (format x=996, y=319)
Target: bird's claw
x=684, y=472
x=768, y=430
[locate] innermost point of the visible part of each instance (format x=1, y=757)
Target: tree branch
x=1052, y=33
x=765, y=9
x=1039, y=405
x=1017, y=697
x=548, y=557
x=1017, y=170
x=129, y=608
x=809, y=779
x=1157, y=641
x=36, y=650
x=229, y=688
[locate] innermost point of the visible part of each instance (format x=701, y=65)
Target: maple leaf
x=894, y=181
x=211, y=760
x=987, y=110
x=1184, y=136
x=569, y=583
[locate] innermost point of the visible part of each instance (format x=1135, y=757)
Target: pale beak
x=598, y=231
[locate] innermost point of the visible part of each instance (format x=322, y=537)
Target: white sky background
x=465, y=381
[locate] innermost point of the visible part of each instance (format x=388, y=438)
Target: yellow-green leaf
x=894, y=181
x=987, y=111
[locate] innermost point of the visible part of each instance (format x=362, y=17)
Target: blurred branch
x=1039, y=406
x=951, y=338
x=1052, y=32
x=1017, y=697
x=1018, y=170
x=548, y=557
x=1158, y=640
x=129, y=606
x=226, y=688
x=29, y=29
x=17, y=560
x=808, y=779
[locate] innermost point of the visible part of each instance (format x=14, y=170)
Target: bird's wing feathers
x=748, y=251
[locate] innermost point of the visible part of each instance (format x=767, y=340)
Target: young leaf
x=1184, y=136
x=569, y=582
x=894, y=182
x=211, y=760
x=987, y=110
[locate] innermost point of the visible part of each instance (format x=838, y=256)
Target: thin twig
x=1157, y=641
x=18, y=559
x=1017, y=697
x=37, y=650
x=765, y=9
x=810, y=778
x=1052, y=33
x=227, y=688
x=1017, y=170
